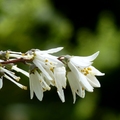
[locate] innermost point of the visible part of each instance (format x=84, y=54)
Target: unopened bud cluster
x=47, y=70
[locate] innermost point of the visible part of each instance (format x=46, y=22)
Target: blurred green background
x=82, y=28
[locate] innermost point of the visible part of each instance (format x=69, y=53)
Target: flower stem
x=16, y=60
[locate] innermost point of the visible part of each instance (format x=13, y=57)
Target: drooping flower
x=82, y=74
x=53, y=70
x=37, y=84
x=43, y=60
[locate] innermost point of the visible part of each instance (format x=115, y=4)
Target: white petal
x=93, y=80
x=91, y=57
x=60, y=81
x=48, y=70
x=15, y=55
x=84, y=61
x=1, y=83
x=20, y=70
x=80, y=62
x=37, y=63
x=61, y=95
x=72, y=88
x=96, y=72
x=52, y=59
x=13, y=52
x=31, y=86
x=80, y=77
x=36, y=86
x=1, y=60
x=48, y=82
x=75, y=86
x=18, y=84
x=53, y=50
x=60, y=73
x=42, y=81
x=11, y=74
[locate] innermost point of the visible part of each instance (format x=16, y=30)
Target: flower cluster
x=47, y=70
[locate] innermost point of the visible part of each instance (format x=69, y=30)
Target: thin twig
x=15, y=61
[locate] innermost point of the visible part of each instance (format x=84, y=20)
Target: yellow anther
x=89, y=69
x=83, y=88
x=23, y=54
x=24, y=87
x=52, y=69
x=50, y=63
x=82, y=71
x=53, y=82
x=87, y=72
x=46, y=60
x=17, y=78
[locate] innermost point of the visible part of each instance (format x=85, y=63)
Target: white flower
x=53, y=70
x=37, y=85
x=82, y=75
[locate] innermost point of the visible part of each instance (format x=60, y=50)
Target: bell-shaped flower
x=53, y=70
x=82, y=74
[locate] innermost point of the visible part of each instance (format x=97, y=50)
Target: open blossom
x=52, y=69
x=82, y=74
x=39, y=83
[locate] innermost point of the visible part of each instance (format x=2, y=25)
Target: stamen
x=83, y=88
x=82, y=71
x=89, y=68
x=50, y=63
x=18, y=84
x=52, y=69
x=20, y=70
x=46, y=60
x=85, y=74
x=85, y=71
